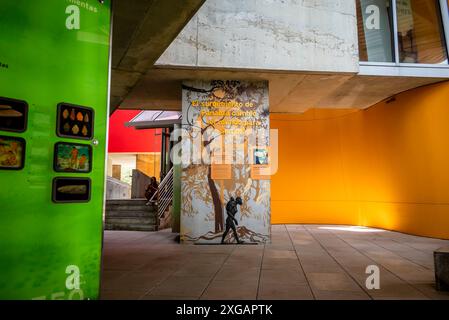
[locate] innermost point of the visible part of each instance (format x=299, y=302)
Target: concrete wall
x=140, y=181
x=386, y=166
x=116, y=189
x=307, y=35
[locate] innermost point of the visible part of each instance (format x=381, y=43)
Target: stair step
x=130, y=214
x=130, y=227
x=130, y=208
x=127, y=202
x=127, y=220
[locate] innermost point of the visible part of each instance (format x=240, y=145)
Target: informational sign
x=221, y=171
x=260, y=163
x=225, y=129
x=52, y=51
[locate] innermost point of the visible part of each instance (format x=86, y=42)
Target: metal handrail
x=152, y=197
x=164, y=194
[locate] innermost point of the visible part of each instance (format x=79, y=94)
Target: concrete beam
x=362, y=92
x=306, y=36
x=290, y=92
x=142, y=30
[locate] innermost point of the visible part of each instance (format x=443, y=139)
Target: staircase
x=135, y=215
x=132, y=214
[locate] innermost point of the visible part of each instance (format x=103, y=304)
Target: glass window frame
x=444, y=8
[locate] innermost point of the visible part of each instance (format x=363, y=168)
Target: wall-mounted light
x=391, y=99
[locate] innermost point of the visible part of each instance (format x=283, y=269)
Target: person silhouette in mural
x=231, y=221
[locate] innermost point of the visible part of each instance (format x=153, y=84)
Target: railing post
x=158, y=201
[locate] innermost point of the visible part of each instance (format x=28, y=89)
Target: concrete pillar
x=225, y=147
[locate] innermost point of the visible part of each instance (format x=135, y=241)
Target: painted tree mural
x=210, y=110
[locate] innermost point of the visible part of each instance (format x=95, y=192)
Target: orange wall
x=387, y=166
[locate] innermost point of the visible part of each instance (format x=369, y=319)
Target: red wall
x=125, y=139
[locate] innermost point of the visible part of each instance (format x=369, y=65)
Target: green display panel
x=52, y=52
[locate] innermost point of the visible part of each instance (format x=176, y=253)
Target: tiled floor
x=303, y=262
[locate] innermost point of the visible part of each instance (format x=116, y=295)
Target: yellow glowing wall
x=387, y=166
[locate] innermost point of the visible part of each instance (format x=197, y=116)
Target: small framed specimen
x=13, y=115
x=71, y=190
x=260, y=155
x=72, y=157
x=260, y=163
x=75, y=121
x=12, y=153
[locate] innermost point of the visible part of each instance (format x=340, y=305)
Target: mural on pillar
x=225, y=125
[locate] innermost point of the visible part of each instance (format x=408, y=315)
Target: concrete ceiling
x=294, y=92
x=142, y=30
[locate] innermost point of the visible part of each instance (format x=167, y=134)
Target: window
x=375, y=28
x=420, y=32
x=401, y=31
